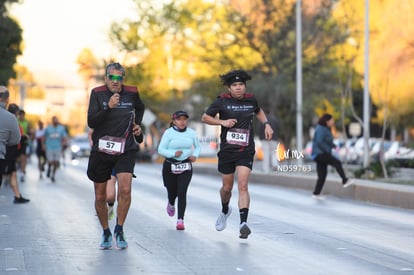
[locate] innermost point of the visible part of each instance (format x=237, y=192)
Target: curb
x=396, y=195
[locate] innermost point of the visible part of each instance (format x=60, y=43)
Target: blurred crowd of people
x=19, y=140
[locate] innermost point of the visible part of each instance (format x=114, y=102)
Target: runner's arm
x=268, y=131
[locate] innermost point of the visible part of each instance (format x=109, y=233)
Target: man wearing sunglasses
x=115, y=113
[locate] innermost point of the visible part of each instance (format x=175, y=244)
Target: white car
x=80, y=146
x=347, y=152
x=359, y=148
x=396, y=151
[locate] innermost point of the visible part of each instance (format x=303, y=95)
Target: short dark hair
x=116, y=66
x=13, y=108
x=324, y=119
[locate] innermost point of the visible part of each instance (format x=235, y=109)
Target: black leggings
x=322, y=162
x=177, y=186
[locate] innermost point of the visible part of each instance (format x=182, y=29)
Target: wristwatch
x=266, y=122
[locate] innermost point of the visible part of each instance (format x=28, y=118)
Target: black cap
x=179, y=113
x=235, y=76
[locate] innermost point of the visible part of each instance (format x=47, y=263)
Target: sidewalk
x=396, y=195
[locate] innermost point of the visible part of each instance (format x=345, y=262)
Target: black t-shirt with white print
x=240, y=137
x=116, y=122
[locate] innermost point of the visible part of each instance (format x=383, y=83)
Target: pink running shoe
x=170, y=209
x=180, y=224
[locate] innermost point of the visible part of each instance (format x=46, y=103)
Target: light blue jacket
x=173, y=140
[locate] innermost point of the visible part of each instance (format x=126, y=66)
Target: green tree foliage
x=11, y=38
x=175, y=51
x=143, y=42
x=178, y=45
x=270, y=29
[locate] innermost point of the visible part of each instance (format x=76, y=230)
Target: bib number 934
x=238, y=136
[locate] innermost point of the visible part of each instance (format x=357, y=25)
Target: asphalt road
x=58, y=232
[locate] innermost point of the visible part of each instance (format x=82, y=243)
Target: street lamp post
x=22, y=89
x=366, y=111
x=299, y=122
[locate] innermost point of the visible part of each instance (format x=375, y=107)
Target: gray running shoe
x=244, y=230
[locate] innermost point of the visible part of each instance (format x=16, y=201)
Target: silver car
x=80, y=146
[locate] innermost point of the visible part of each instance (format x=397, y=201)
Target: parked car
x=405, y=158
x=397, y=151
x=347, y=152
x=388, y=148
x=359, y=148
x=79, y=146
x=392, y=150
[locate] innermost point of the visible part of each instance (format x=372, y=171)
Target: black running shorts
x=9, y=166
x=227, y=161
x=100, y=165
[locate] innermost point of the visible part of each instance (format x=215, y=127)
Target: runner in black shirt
x=235, y=111
x=115, y=113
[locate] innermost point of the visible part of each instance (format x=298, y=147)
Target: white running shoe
x=244, y=230
x=222, y=220
x=348, y=183
x=318, y=197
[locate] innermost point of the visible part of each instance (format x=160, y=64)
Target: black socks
x=107, y=232
x=118, y=228
x=243, y=214
x=225, y=208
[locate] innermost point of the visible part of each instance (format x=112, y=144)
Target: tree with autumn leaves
x=175, y=52
x=391, y=59
x=178, y=51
